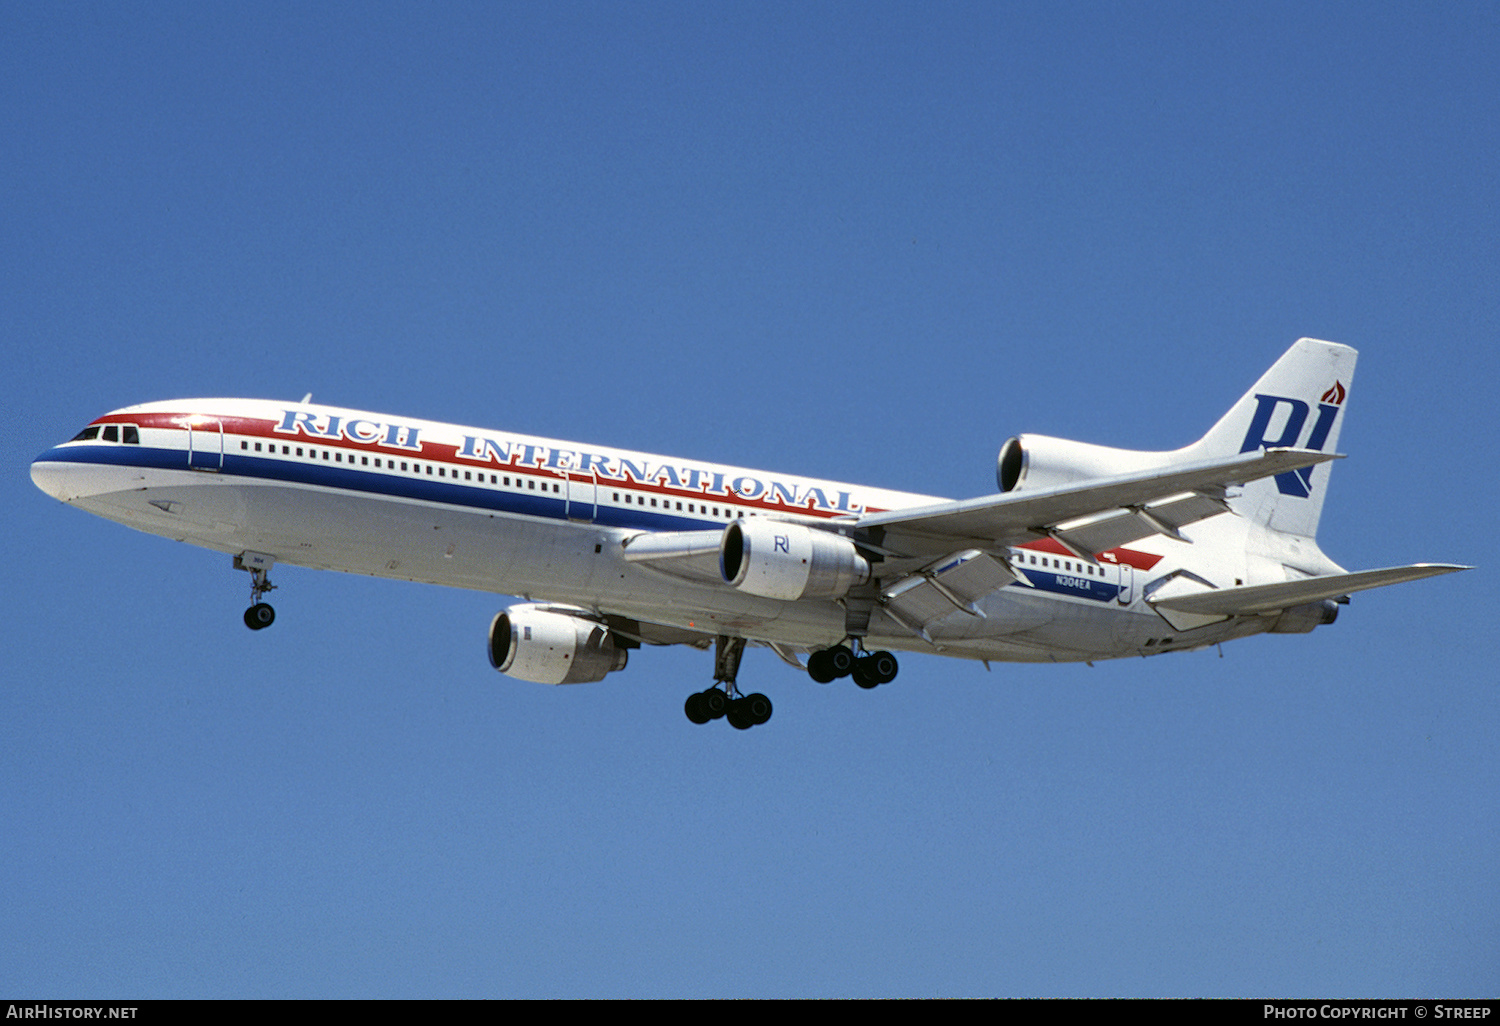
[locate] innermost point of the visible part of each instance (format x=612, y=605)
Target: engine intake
x=547, y=647
x=778, y=560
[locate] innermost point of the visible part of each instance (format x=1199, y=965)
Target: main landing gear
x=724, y=698
x=260, y=615
x=868, y=669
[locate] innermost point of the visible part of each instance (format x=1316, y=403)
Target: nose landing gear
x=260, y=615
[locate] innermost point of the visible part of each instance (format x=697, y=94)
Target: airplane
x=1085, y=553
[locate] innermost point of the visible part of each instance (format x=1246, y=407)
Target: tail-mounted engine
x=537, y=644
x=1301, y=619
x=1030, y=462
x=778, y=560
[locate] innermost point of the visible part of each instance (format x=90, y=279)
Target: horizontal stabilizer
x=1268, y=598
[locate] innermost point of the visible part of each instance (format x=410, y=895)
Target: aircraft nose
x=54, y=476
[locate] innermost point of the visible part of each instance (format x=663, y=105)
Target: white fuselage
x=337, y=489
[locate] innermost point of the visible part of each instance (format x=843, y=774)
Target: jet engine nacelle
x=1031, y=462
x=547, y=647
x=1301, y=619
x=777, y=560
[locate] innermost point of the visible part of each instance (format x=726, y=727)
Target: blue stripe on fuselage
x=445, y=491
x=1071, y=584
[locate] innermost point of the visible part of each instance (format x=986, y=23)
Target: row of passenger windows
x=412, y=466
x=126, y=433
x=699, y=508
x=1063, y=564
x=497, y=480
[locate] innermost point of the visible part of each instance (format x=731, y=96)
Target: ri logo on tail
x=1294, y=482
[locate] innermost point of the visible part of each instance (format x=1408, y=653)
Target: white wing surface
x=1270, y=598
x=1086, y=518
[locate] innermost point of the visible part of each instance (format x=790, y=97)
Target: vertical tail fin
x=1299, y=403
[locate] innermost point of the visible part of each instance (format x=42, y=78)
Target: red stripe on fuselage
x=438, y=452
x=1122, y=556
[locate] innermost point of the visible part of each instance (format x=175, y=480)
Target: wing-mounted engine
x=1030, y=462
x=539, y=644
x=779, y=560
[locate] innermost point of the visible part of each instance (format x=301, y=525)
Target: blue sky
x=866, y=242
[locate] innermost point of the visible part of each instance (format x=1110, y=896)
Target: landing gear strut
x=260, y=614
x=868, y=669
x=724, y=699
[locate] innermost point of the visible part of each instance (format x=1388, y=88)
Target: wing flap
x=954, y=583
x=1123, y=526
x=1169, y=497
x=1270, y=598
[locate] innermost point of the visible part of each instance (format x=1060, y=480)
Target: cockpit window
x=130, y=434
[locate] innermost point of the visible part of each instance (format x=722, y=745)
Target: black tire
x=715, y=702
x=758, y=708
x=841, y=658
x=694, y=708
x=738, y=716
x=259, y=616
x=820, y=668
x=864, y=672
x=885, y=666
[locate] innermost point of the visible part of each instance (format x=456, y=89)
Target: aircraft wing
x=1269, y=598
x=1087, y=518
